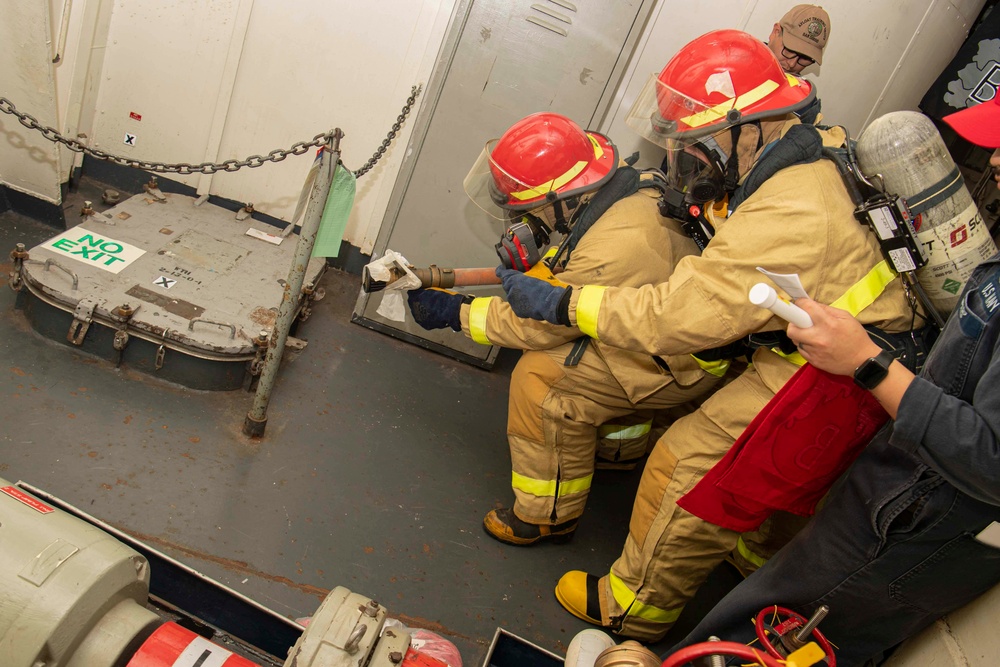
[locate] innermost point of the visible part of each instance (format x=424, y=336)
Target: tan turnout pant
x=554, y=415
x=669, y=552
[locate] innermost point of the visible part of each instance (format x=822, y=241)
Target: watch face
x=873, y=371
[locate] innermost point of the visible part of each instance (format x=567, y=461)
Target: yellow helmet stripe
x=544, y=188
x=742, y=102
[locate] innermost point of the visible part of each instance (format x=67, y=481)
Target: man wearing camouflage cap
x=798, y=39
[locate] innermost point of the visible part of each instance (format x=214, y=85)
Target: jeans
x=889, y=554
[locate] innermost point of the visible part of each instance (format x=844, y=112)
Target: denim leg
x=887, y=562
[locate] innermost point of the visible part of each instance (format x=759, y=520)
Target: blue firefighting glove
x=437, y=308
x=534, y=298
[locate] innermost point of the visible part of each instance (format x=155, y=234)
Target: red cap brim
x=979, y=124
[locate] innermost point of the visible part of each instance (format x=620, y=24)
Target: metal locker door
x=501, y=60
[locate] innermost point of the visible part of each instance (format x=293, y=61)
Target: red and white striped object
x=174, y=646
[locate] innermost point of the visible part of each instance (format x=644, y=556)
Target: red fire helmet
x=540, y=159
x=721, y=79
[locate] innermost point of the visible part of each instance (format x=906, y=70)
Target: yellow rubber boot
x=577, y=592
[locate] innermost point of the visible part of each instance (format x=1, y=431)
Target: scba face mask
x=696, y=173
x=695, y=178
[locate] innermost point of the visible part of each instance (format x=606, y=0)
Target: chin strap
x=733, y=164
x=565, y=212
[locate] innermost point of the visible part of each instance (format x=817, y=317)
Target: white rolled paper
x=763, y=295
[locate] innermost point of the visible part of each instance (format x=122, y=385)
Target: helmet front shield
x=497, y=192
x=661, y=113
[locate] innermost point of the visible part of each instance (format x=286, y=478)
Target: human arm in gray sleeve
x=958, y=439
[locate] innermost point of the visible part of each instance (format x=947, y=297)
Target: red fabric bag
x=790, y=454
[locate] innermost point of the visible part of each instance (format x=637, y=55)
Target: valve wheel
x=791, y=622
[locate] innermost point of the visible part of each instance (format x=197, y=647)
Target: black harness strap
x=579, y=347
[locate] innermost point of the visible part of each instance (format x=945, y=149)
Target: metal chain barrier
x=277, y=155
x=414, y=92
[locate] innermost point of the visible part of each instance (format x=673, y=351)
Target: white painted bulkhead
x=218, y=81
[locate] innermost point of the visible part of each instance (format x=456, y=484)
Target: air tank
x=907, y=151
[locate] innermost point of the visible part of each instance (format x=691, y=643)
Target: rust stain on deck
x=229, y=564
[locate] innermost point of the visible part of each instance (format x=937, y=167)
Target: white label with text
x=96, y=250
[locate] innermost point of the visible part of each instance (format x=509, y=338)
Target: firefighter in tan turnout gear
x=547, y=173
x=724, y=109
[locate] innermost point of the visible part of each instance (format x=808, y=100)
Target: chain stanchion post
x=256, y=419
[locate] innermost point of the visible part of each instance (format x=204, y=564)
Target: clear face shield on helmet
x=691, y=132
x=501, y=195
x=517, y=204
x=671, y=119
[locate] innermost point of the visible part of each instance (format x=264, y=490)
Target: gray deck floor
x=379, y=462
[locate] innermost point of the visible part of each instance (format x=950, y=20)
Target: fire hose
x=446, y=278
x=433, y=276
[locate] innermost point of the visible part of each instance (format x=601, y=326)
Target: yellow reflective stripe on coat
x=543, y=189
x=588, y=308
x=858, y=296
x=748, y=555
x=478, y=310
x=546, y=488
x=864, y=292
x=793, y=357
x=719, y=111
x=716, y=368
x=626, y=600
x=622, y=432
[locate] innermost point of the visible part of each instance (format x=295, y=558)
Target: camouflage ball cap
x=805, y=30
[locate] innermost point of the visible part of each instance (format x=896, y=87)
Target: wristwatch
x=869, y=374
